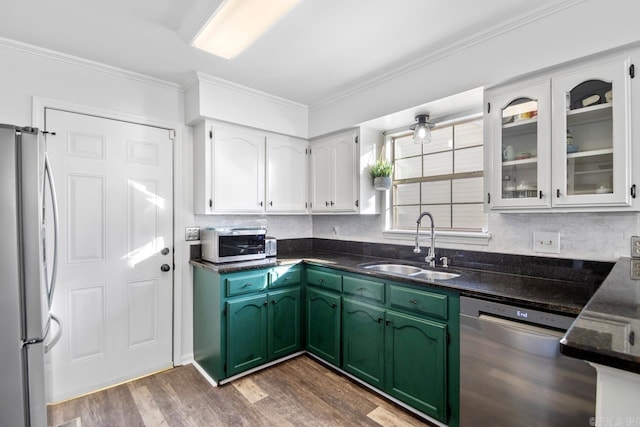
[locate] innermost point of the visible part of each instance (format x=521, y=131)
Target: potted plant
x=381, y=174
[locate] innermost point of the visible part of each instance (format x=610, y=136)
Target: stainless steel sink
x=434, y=275
x=411, y=271
x=405, y=270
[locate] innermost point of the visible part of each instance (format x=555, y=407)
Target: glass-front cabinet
x=591, y=137
x=520, y=124
x=564, y=142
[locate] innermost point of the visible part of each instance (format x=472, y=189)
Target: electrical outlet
x=335, y=230
x=547, y=242
x=635, y=269
x=191, y=234
x=635, y=246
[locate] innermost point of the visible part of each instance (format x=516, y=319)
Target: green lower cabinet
x=323, y=325
x=363, y=341
x=284, y=323
x=416, y=363
x=246, y=333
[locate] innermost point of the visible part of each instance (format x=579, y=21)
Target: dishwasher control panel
x=475, y=307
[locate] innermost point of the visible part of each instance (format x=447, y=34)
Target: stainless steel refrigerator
x=28, y=264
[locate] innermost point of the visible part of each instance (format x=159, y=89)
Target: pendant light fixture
x=422, y=129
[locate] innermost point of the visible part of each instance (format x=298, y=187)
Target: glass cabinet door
x=590, y=137
x=521, y=136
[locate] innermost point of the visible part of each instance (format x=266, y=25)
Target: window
x=444, y=177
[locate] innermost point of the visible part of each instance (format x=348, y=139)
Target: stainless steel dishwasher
x=512, y=372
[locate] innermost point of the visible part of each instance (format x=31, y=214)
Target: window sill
x=460, y=237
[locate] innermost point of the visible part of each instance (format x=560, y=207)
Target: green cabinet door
x=415, y=363
x=363, y=341
x=323, y=325
x=284, y=322
x=246, y=333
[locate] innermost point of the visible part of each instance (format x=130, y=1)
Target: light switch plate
x=635, y=246
x=547, y=242
x=191, y=233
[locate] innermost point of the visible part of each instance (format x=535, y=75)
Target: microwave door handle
x=54, y=208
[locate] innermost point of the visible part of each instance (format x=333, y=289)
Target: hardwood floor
x=298, y=392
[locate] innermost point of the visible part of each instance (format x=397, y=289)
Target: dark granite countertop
x=607, y=329
x=558, y=296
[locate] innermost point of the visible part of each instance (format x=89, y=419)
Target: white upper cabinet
x=286, y=189
x=520, y=123
x=237, y=170
x=334, y=172
x=591, y=115
x=340, y=180
x=562, y=143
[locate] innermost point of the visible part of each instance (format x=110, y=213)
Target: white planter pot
x=382, y=183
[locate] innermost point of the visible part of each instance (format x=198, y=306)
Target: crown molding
x=85, y=63
x=245, y=90
x=449, y=50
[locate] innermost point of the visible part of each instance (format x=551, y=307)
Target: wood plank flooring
x=298, y=392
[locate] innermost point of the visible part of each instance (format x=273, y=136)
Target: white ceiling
x=319, y=50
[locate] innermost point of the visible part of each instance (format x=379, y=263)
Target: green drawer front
x=245, y=282
x=418, y=301
x=285, y=276
x=324, y=280
x=363, y=288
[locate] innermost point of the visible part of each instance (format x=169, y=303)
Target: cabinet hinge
x=210, y=134
x=357, y=203
x=633, y=191
x=488, y=107
x=305, y=205
x=224, y=311
x=355, y=138
x=310, y=205
x=632, y=70
x=488, y=198
x=309, y=151
x=172, y=135
x=210, y=203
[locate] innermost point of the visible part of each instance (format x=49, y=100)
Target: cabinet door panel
x=284, y=322
x=363, y=341
x=415, y=363
x=321, y=176
x=238, y=171
x=520, y=123
x=591, y=110
x=344, y=164
x=246, y=333
x=323, y=325
x=286, y=175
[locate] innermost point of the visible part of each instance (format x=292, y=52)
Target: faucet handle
x=444, y=261
x=416, y=250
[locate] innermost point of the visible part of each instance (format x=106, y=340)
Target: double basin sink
x=411, y=271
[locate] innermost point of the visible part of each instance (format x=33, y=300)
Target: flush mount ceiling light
x=422, y=129
x=238, y=23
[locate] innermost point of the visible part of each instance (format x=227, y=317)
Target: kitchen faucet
x=431, y=255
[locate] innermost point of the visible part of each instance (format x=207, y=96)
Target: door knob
x=165, y=251
x=165, y=267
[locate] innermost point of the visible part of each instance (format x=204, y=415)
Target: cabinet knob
x=165, y=251
x=326, y=203
x=260, y=203
x=165, y=267
x=412, y=301
x=334, y=305
x=332, y=203
x=271, y=203
x=380, y=319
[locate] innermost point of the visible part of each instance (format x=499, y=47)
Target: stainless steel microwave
x=233, y=244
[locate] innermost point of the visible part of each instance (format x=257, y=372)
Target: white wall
x=586, y=28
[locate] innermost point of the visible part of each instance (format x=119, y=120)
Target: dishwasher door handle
x=522, y=337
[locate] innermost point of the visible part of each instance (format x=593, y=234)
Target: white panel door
x=286, y=175
x=115, y=199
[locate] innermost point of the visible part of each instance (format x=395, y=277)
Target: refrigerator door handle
x=54, y=208
x=48, y=346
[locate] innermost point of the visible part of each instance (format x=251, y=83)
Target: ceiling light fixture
x=422, y=129
x=238, y=23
